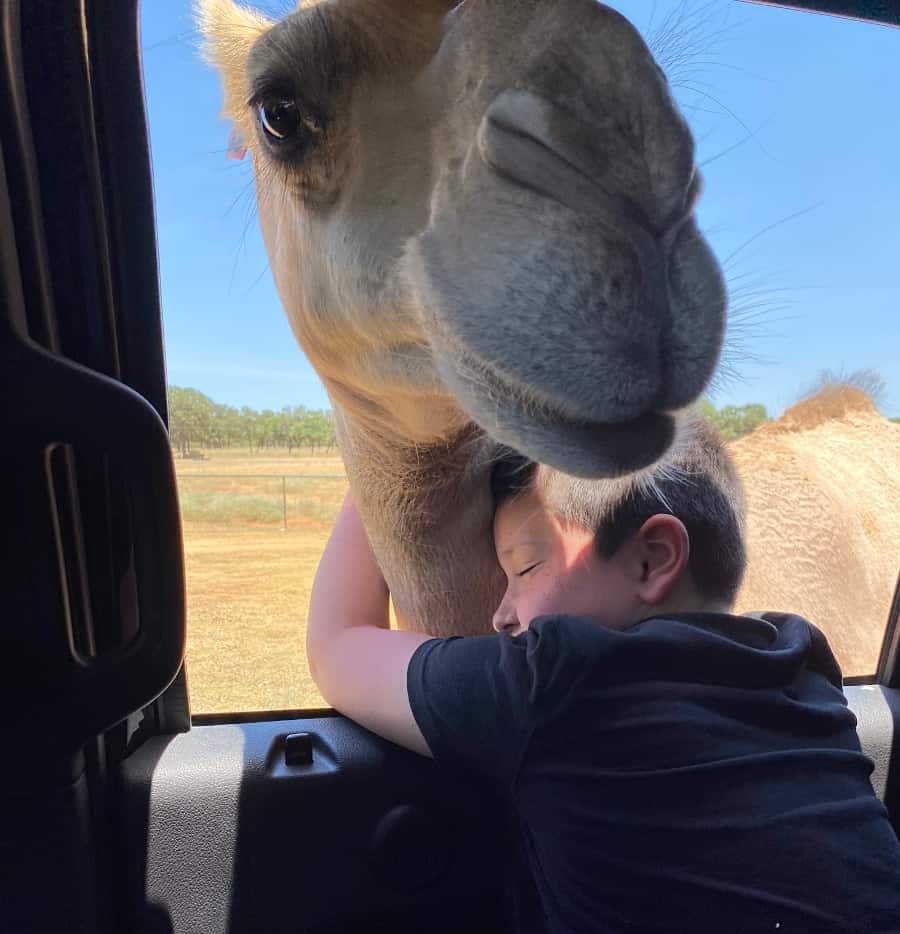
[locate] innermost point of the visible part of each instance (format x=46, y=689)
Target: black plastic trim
x=855, y=680
x=261, y=716
x=877, y=710
x=113, y=36
x=888, y=672
x=106, y=631
x=886, y=12
x=127, y=186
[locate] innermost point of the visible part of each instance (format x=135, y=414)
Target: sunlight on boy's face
x=552, y=568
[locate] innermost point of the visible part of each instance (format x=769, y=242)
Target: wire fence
x=271, y=500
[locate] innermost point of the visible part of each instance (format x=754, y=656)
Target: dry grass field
x=249, y=578
x=824, y=501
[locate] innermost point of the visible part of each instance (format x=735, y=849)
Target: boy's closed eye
x=528, y=569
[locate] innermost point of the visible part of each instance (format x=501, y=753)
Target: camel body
x=822, y=485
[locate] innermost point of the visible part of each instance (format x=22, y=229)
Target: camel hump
x=831, y=404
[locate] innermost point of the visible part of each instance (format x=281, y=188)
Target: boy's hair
x=696, y=483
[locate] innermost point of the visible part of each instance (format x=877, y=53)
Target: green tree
x=266, y=429
x=707, y=410
x=194, y=420
x=233, y=428
x=320, y=430
x=294, y=429
x=733, y=421
x=248, y=426
x=224, y=426
x=190, y=414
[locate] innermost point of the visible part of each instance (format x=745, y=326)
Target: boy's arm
x=358, y=663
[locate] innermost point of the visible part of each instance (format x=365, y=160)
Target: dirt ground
x=248, y=582
x=248, y=593
x=823, y=491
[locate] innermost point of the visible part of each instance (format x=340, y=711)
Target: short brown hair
x=696, y=483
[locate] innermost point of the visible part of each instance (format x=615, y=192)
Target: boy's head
x=666, y=540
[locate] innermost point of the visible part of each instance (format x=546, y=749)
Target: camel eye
x=280, y=120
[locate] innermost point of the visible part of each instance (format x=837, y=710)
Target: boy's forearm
x=349, y=589
x=359, y=668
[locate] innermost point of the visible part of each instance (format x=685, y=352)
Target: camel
x=479, y=217
x=822, y=485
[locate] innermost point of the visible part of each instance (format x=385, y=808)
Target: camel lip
x=589, y=449
x=577, y=446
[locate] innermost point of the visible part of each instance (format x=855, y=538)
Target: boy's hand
x=358, y=663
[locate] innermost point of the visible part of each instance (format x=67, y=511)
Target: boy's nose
x=505, y=618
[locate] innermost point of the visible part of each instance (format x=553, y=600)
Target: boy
x=673, y=767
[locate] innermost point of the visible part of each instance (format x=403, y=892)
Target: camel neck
x=428, y=512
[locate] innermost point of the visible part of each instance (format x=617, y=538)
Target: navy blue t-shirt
x=700, y=772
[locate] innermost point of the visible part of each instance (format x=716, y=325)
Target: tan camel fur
x=823, y=494
x=479, y=217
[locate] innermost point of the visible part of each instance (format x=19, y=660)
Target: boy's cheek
x=547, y=596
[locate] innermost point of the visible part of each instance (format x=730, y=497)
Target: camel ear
x=229, y=32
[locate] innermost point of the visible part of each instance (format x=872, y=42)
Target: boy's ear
x=229, y=32
x=664, y=549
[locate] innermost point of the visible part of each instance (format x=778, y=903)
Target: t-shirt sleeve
x=477, y=699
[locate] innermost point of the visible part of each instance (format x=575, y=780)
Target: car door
x=120, y=811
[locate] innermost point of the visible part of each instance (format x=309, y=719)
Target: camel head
x=480, y=211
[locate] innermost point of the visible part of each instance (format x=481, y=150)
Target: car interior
x=121, y=812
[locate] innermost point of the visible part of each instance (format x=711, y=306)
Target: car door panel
x=367, y=834
x=237, y=840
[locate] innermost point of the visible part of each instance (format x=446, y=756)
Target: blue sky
x=804, y=211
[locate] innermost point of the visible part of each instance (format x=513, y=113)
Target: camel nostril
x=528, y=140
x=518, y=112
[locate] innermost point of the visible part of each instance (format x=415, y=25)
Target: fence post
x=284, y=502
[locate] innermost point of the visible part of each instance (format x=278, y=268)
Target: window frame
x=171, y=711
x=884, y=12
x=86, y=308
x=887, y=673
